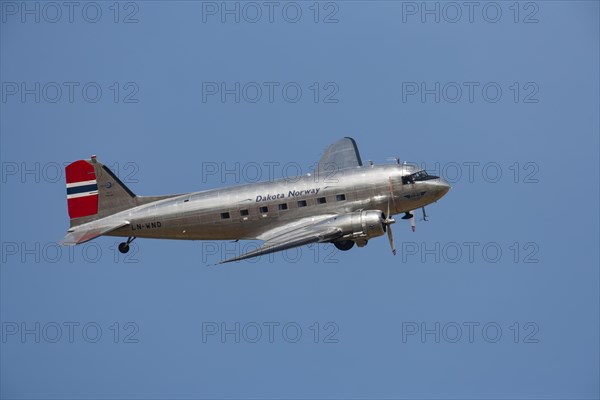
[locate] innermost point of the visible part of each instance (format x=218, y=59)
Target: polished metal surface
x=197, y=216
x=275, y=209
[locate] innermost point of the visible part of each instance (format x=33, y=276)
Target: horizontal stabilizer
x=82, y=234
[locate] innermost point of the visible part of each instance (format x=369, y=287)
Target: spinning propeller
x=388, y=221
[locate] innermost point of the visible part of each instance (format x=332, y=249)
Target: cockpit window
x=407, y=179
x=417, y=176
x=420, y=176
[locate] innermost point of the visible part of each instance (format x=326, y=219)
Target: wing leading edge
x=291, y=236
x=342, y=154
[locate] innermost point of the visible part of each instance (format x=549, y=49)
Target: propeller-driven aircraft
x=343, y=202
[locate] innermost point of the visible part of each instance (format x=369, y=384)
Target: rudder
x=94, y=192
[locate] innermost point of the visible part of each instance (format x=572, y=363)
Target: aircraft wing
x=340, y=155
x=83, y=234
x=293, y=235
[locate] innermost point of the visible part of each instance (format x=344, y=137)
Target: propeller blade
x=391, y=239
x=389, y=220
x=412, y=220
x=424, y=213
x=408, y=215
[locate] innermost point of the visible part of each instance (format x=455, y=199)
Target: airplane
x=343, y=202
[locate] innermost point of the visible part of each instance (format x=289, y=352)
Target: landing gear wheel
x=344, y=245
x=123, y=247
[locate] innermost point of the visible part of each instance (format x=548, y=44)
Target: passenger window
x=243, y=213
x=264, y=209
x=321, y=200
x=340, y=197
x=225, y=215
x=283, y=206
x=301, y=203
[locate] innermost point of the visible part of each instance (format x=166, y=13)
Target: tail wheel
x=123, y=247
x=344, y=245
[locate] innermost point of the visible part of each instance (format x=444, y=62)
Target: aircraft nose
x=441, y=187
x=444, y=185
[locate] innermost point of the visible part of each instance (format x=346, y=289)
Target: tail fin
x=94, y=192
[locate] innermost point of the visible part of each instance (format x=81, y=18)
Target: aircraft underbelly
x=184, y=230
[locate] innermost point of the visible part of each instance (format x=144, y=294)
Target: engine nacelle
x=362, y=224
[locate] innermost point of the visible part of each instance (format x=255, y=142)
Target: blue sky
x=497, y=296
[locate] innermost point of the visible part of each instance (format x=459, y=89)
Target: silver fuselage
x=235, y=212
